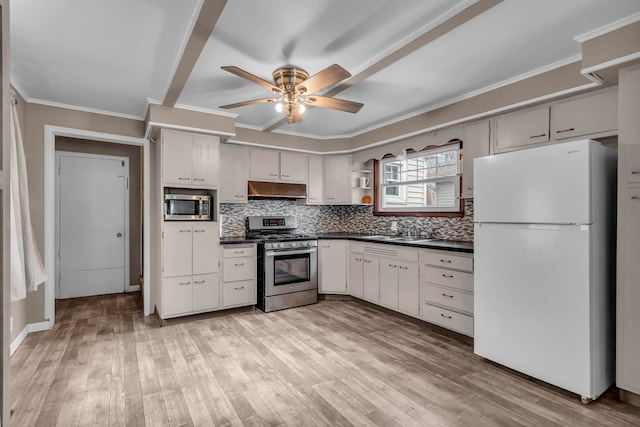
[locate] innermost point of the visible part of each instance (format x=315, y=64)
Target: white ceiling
x=116, y=56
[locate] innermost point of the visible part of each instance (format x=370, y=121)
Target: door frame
x=60, y=153
x=50, y=133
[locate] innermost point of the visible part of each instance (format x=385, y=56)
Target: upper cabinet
x=521, y=129
x=189, y=160
x=337, y=180
x=594, y=115
x=475, y=144
x=587, y=115
x=315, y=184
x=234, y=173
x=271, y=165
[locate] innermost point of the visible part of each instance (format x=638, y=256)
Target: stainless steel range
x=287, y=263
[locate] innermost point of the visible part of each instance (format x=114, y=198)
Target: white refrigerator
x=544, y=253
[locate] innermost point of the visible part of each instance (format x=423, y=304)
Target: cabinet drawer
x=240, y=251
x=238, y=293
x=450, y=278
x=446, y=260
x=236, y=269
x=447, y=297
x=448, y=319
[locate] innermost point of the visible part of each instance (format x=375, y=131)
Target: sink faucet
x=415, y=228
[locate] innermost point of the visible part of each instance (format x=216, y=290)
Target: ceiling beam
x=426, y=38
x=206, y=22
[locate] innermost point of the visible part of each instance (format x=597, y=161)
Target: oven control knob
x=280, y=245
x=294, y=244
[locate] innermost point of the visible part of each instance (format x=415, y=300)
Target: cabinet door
x=371, y=274
x=337, y=180
x=177, y=295
x=408, y=288
x=332, y=262
x=521, y=129
x=265, y=165
x=206, y=161
x=206, y=292
x=206, y=245
x=586, y=115
x=629, y=132
x=293, y=167
x=315, y=183
x=628, y=291
x=389, y=283
x=176, y=158
x=356, y=275
x=234, y=173
x=475, y=144
x=177, y=249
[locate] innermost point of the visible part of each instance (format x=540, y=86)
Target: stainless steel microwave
x=185, y=207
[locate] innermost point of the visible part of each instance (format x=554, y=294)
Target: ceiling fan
x=295, y=89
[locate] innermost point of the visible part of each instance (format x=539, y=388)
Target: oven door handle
x=285, y=252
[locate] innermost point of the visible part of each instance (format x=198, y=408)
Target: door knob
x=119, y=234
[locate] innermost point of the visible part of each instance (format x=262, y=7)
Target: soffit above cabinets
x=406, y=57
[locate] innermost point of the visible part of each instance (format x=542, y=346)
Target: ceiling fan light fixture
x=302, y=108
x=279, y=107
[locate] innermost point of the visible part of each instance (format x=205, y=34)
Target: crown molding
x=608, y=28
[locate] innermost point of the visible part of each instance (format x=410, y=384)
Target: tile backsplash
x=349, y=219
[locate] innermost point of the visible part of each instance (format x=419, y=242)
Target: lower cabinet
x=433, y=285
x=238, y=284
x=332, y=266
x=446, y=287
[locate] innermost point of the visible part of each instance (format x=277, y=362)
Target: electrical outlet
x=11, y=324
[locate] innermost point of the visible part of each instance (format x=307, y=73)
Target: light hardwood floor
x=331, y=364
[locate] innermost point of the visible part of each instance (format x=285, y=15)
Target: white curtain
x=27, y=271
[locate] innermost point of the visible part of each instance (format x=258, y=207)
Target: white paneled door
x=92, y=224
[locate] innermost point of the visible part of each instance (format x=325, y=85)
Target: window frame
x=457, y=211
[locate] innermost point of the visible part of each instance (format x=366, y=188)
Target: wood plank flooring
x=336, y=363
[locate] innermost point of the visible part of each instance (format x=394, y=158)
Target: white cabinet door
x=177, y=245
x=205, y=247
x=586, y=115
x=206, y=291
x=265, y=165
x=408, y=288
x=234, y=173
x=389, y=283
x=293, y=167
x=356, y=274
x=371, y=275
x=177, y=295
x=176, y=158
x=475, y=144
x=315, y=183
x=337, y=180
x=521, y=129
x=205, y=160
x=332, y=262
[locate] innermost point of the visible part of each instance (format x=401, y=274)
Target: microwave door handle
x=276, y=253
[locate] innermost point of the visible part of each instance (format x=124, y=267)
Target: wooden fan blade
x=333, y=103
x=325, y=78
x=254, y=79
x=254, y=101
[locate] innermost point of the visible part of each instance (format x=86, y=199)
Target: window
x=421, y=183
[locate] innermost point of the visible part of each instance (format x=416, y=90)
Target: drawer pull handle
x=200, y=282
x=446, y=317
x=393, y=266
x=538, y=136
x=238, y=195
x=635, y=197
x=198, y=179
x=239, y=289
x=635, y=173
x=448, y=296
x=273, y=174
x=358, y=259
x=403, y=268
x=184, y=283
x=240, y=264
x=184, y=179
x=448, y=261
x=238, y=252
x=447, y=276
x=565, y=130
x=367, y=260
x=199, y=231
x=286, y=176
x=185, y=231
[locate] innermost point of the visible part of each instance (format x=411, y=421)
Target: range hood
x=276, y=190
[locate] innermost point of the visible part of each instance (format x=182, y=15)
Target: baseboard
x=32, y=327
x=630, y=397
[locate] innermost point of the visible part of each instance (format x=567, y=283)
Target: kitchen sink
x=409, y=239
x=380, y=237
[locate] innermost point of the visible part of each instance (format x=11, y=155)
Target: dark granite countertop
x=446, y=245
